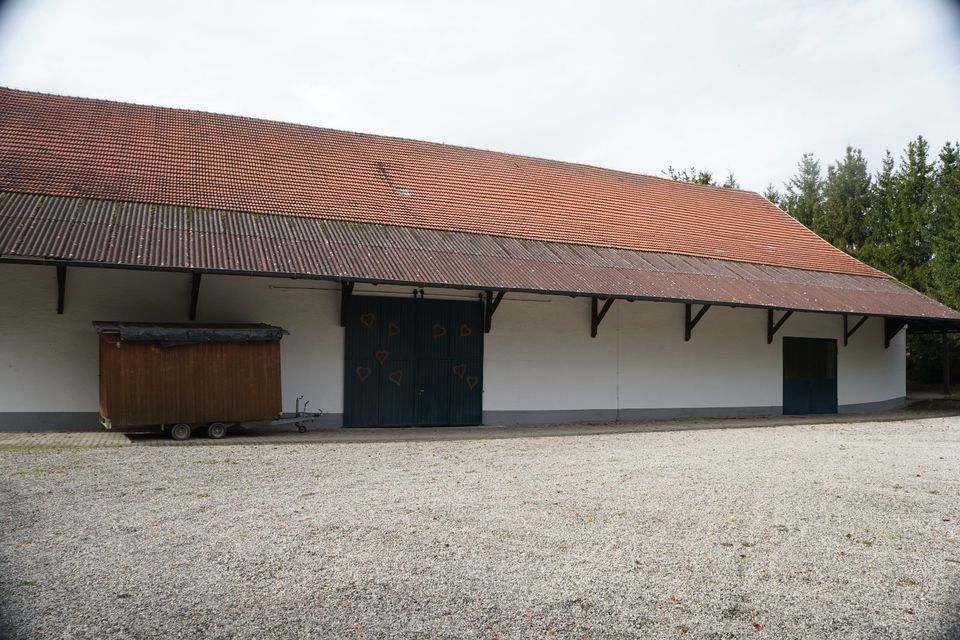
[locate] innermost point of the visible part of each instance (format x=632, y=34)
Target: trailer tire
x=180, y=431
x=217, y=430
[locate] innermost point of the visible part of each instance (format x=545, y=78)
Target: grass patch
x=27, y=583
x=41, y=469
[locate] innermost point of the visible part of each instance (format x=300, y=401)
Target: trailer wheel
x=217, y=430
x=180, y=431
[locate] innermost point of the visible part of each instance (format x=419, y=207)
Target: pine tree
x=847, y=199
x=945, y=264
x=773, y=195
x=804, y=192
x=911, y=218
x=878, y=224
x=697, y=176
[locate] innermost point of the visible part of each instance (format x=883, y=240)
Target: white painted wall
x=539, y=356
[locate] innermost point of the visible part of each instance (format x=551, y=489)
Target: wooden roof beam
x=690, y=320
x=847, y=333
x=493, y=301
x=596, y=317
x=773, y=327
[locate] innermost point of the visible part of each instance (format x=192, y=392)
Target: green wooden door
x=809, y=375
x=413, y=362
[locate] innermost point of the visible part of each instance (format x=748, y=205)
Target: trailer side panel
x=149, y=383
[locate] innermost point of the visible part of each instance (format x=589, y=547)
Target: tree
x=911, y=217
x=773, y=195
x=847, y=195
x=804, y=192
x=697, y=176
x=878, y=226
x=700, y=176
x=730, y=182
x=945, y=265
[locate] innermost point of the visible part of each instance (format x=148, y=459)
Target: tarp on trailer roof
x=191, y=333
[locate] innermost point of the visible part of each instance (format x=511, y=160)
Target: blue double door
x=413, y=361
x=809, y=375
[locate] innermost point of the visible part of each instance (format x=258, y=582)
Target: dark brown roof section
x=133, y=235
x=95, y=148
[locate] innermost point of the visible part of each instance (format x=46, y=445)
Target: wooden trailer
x=187, y=376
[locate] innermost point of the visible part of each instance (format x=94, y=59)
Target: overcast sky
x=742, y=85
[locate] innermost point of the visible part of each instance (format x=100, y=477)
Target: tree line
x=903, y=219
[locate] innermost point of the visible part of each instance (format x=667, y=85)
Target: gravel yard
x=833, y=531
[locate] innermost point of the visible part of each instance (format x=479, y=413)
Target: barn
x=422, y=283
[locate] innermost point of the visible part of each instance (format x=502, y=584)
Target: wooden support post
x=849, y=332
x=945, y=356
x=690, y=320
x=194, y=295
x=61, y=287
x=490, y=308
x=891, y=327
x=773, y=327
x=346, y=290
x=597, y=317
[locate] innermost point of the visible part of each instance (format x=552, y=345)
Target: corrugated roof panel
x=148, y=236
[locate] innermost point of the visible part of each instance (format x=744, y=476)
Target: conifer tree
x=910, y=248
x=945, y=264
x=846, y=203
x=804, y=192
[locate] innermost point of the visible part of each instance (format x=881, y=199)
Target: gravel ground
x=832, y=531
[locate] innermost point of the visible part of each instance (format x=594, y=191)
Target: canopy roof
x=132, y=235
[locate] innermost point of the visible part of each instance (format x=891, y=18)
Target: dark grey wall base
x=699, y=412
x=547, y=416
x=11, y=421
x=610, y=415
x=867, y=407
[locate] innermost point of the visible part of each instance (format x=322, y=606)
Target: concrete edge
x=868, y=407
x=27, y=422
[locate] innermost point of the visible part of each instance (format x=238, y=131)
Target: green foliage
x=847, y=196
x=697, y=176
x=804, y=192
x=773, y=195
x=905, y=221
x=945, y=266
x=701, y=176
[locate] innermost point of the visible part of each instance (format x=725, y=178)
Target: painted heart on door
x=367, y=319
x=363, y=373
x=381, y=356
x=393, y=329
x=460, y=370
x=439, y=331
x=465, y=330
x=472, y=382
x=395, y=377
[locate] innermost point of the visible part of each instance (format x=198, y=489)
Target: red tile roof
x=93, y=148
